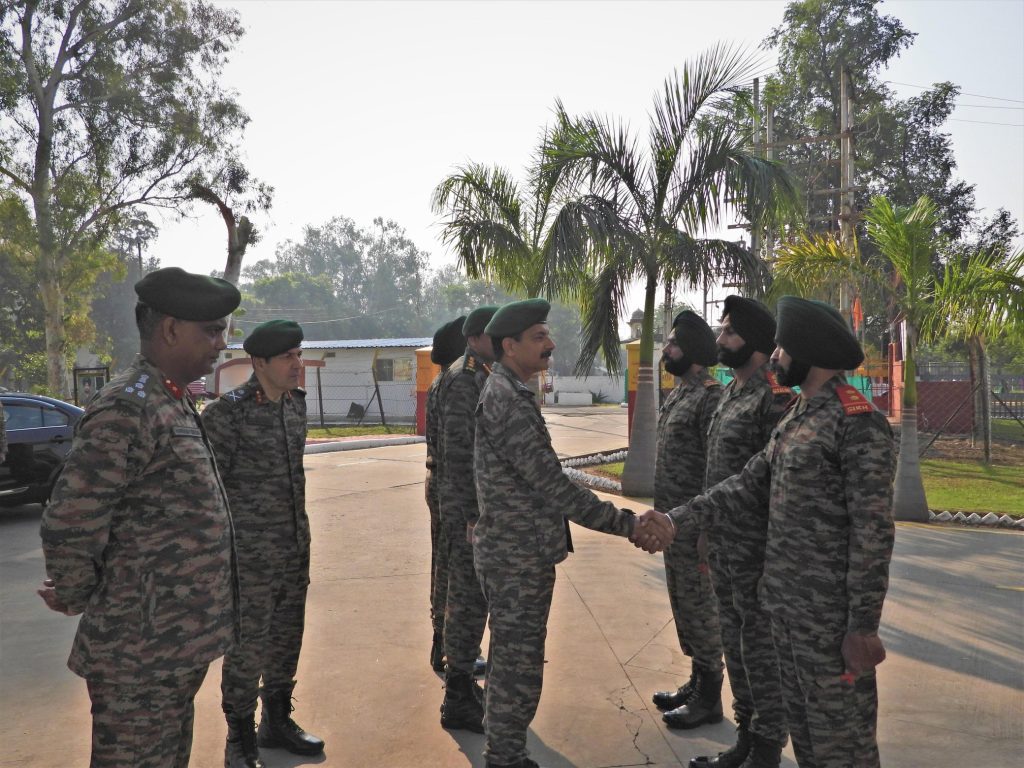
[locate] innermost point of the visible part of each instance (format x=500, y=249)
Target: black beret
x=752, y=321
x=516, y=317
x=449, y=343
x=478, y=320
x=695, y=338
x=188, y=296
x=273, y=338
x=813, y=332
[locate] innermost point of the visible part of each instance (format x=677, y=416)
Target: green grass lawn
x=954, y=485
x=968, y=486
x=1007, y=429
x=369, y=429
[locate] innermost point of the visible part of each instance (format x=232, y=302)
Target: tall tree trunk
x=638, y=472
x=985, y=391
x=908, y=500
x=52, y=294
x=976, y=393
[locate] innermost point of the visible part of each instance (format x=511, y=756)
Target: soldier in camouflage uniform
x=825, y=479
x=520, y=535
x=138, y=537
x=678, y=477
x=466, y=610
x=750, y=407
x=448, y=346
x=258, y=432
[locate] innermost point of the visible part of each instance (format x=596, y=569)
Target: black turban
x=695, y=338
x=813, y=332
x=752, y=321
x=449, y=343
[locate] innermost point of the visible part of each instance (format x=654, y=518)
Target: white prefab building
x=346, y=381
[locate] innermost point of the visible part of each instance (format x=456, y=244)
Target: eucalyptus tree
x=641, y=212
x=108, y=105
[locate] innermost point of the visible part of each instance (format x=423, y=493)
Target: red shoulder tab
x=711, y=383
x=853, y=401
x=777, y=389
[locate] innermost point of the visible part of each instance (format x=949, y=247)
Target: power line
x=985, y=122
x=986, y=106
x=962, y=93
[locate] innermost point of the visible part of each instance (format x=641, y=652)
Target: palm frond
x=603, y=303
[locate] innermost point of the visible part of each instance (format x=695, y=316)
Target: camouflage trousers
x=750, y=656
x=694, y=607
x=833, y=723
x=438, y=560
x=144, y=724
x=518, y=600
x=466, y=609
x=273, y=608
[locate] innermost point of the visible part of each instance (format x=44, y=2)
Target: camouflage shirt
x=460, y=392
x=682, y=439
x=825, y=477
x=139, y=537
x=740, y=428
x=259, y=446
x=432, y=436
x=522, y=491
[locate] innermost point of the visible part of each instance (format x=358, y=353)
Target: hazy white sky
x=361, y=108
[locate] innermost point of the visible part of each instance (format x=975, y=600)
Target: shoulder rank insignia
x=238, y=394
x=773, y=382
x=712, y=383
x=469, y=363
x=852, y=400
x=136, y=391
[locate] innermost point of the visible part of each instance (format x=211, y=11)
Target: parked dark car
x=39, y=431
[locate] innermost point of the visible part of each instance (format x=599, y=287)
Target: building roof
x=409, y=343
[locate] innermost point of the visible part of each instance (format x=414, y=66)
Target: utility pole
x=755, y=233
x=769, y=239
x=846, y=196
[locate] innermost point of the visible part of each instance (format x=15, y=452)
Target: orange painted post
x=426, y=371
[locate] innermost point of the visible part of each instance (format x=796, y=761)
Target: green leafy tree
x=109, y=104
x=899, y=147
x=641, y=212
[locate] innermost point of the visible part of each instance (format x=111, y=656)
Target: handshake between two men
x=653, y=531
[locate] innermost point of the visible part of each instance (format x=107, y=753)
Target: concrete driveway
x=951, y=691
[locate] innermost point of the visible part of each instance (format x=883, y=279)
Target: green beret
x=273, y=337
x=813, y=332
x=514, y=318
x=449, y=343
x=695, y=338
x=188, y=296
x=752, y=321
x=478, y=320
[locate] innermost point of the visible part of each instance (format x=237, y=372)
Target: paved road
x=952, y=689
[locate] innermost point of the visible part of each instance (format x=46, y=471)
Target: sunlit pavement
x=951, y=690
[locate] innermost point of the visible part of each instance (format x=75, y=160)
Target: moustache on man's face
x=546, y=353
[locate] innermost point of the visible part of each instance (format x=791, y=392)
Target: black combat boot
x=763, y=753
x=437, y=652
x=732, y=757
x=703, y=706
x=241, y=750
x=463, y=707
x=666, y=700
x=277, y=729
x=526, y=762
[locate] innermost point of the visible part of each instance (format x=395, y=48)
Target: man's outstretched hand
x=653, y=532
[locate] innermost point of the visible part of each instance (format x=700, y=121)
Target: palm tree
x=974, y=297
x=636, y=211
x=981, y=296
